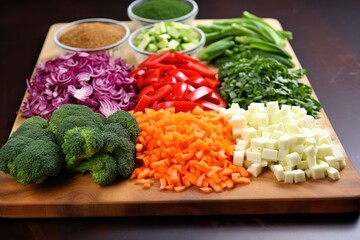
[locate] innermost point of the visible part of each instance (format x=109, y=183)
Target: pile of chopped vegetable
x=97, y=81
x=228, y=38
x=173, y=79
x=263, y=80
x=186, y=149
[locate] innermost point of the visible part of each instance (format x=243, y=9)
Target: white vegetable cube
x=235, y=106
x=277, y=134
x=310, y=141
x=317, y=171
x=273, y=118
x=241, y=144
x=303, y=164
x=326, y=139
x=324, y=164
x=342, y=163
x=261, y=119
x=289, y=176
x=292, y=159
x=286, y=107
x=288, y=118
x=299, y=176
x=238, y=121
x=299, y=149
x=254, y=157
x=299, y=138
x=257, y=143
x=248, y=133
x=278, y=171
x=300, y=113
x=307, y=122
x=237, y=132
x=288, y=168
x=337, y=152
x=255, y=169
x=282, y=154
x=273, y=106
x=332, y=173
x=285, y=142
x=271, y=143
x=333, y=162
x=292, y=128
x=307, y=173
x=310, y=154
x=269, y=154
x=238, y=158
x=266, y=134
x=264, y=163
x=226, y=113
x=327, y=150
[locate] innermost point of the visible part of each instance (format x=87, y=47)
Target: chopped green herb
x=263, y=80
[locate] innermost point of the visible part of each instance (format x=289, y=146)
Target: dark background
x=326, y=41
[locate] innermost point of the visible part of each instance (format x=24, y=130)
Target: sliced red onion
x=98, y=81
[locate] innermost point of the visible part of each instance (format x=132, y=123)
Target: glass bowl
x=112, y=48
x=140, y=21
x=140, y=55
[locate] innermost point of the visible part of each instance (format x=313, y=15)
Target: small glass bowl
x=140, y=55
x=113, y=49
x=140, y=22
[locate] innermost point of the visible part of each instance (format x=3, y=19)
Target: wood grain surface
x=70, y=195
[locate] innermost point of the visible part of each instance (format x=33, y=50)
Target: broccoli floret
x=113, y=132
x=36, y=162
x=66, y=110
x=10, y=150
x=71, y=122
x=31, y=153
x=125, y=157
x=36, y=120
x=81, y=143
x=126, y=120
x=102, y=167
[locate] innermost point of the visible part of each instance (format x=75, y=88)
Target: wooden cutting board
x=71, y=195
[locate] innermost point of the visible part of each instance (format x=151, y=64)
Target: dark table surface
x=326, y=41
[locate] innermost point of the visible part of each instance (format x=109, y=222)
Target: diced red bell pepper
x=197, y=81
x=165, y=80
x=202, y=69
x=212, y=82
x=144, y=102
x=206, y=105
x=148, y=90
x=161, y=93
x=180, y=90
x=179, y=75
x=199, y=93
x=215, y=98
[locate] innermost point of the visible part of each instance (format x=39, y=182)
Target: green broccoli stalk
x=81, y=143
x=126, y=120
x=102, y=167
x=31, y=153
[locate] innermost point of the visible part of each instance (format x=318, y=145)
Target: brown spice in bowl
x=92, y=35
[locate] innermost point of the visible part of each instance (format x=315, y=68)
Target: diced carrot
x=242, y=180
x=206, y=189
x=243, y=171
x=179, y=188
x=186, y=149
